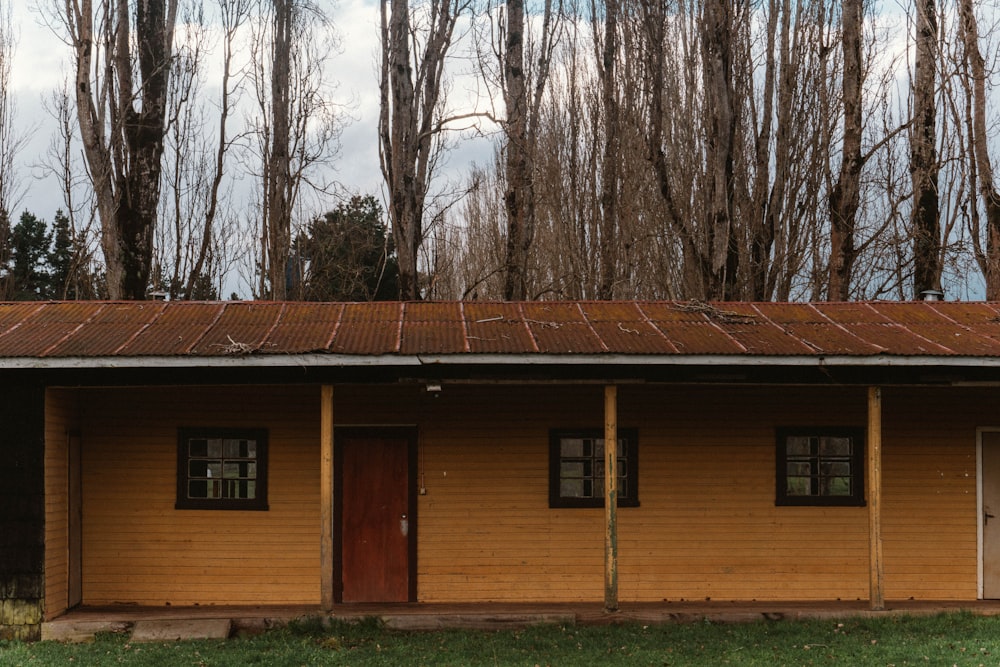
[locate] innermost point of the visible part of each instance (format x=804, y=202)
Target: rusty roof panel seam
x=725, y=333
x=336, y=328
x=908, y=330
x=853, y=334
x=590, y=325
x=34, y=312
x=274, y=326
x=204, y=334
x=967, y=329
x=152, y=320
x=802, y=342
x=465, y=327
x=399, y=328
x=83, y=323
x=645, y=318
x=524, y=321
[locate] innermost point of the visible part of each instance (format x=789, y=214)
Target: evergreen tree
x=346, y=256
x=29, y=275
x=61, y=259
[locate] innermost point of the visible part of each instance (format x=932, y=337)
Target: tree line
x=679, y=149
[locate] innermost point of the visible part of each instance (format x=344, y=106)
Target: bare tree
x=411, y=87
x=845, y=196
x=987, y=257
x=525, y=76
x=296, y=126
x=606, y=46
x=199, y=144
x=78, y=206
x=122, y=56
x=12, y=140
x=924, y=166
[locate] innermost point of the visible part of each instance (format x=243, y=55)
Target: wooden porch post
x=874, y=469
x=326, y=498
x=610, y=498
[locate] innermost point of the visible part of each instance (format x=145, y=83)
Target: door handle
x=404, y=525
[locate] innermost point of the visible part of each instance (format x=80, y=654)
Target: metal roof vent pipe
x=932, y=295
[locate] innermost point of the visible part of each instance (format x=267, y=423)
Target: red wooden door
x=375, y=519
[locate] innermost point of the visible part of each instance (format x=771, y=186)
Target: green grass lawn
x=949, y=639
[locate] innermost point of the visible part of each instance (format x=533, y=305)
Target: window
x=820, y=466
x=222, y=469
x=576, y=468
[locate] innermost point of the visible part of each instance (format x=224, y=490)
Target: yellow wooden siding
x=59, y=418
x=707, y=526
x=929, y=490
x=138, y=548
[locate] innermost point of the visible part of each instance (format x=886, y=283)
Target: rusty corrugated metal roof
x=624, y=328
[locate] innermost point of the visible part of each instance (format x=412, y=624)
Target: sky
x=42, y=60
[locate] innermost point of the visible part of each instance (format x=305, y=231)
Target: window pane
x=798, y=486
x=571, y=488
x=214, y=469
x=835, y=468
x=798, y=446
x=836, y=486
x=238, y=489
x=231, y=470
x=834, y=446
x=599, y=448
x=240, y=449
x=572, y=469
x=197, y=489
x=571, y=447
x=198, y=447
x=197, y=468
x=215, y=448
x=798, y=469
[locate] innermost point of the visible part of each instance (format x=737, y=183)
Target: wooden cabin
x=324, y=454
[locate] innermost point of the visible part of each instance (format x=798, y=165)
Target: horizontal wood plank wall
x=485, y=531
x=929, y=514
x=138, y=549
x=707, y=526
x=60, y=416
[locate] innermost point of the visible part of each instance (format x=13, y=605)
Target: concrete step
x=165, y=630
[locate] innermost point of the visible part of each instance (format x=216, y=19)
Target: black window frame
x=557, y=500
x=856, y=459
x=258, y=503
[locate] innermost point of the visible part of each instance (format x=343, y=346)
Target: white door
x=991, y=514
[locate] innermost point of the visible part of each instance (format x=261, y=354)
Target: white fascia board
x=320, y=360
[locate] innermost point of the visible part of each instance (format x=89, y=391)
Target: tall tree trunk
x=923, y=154
x=762, y=232
x=122, y=126
x=989, y=261
x=516, y=199
x=398, y=129
x=279, y=213
x=411, y=86
x=722, y=260
x=845, y=196
x=611, y=159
